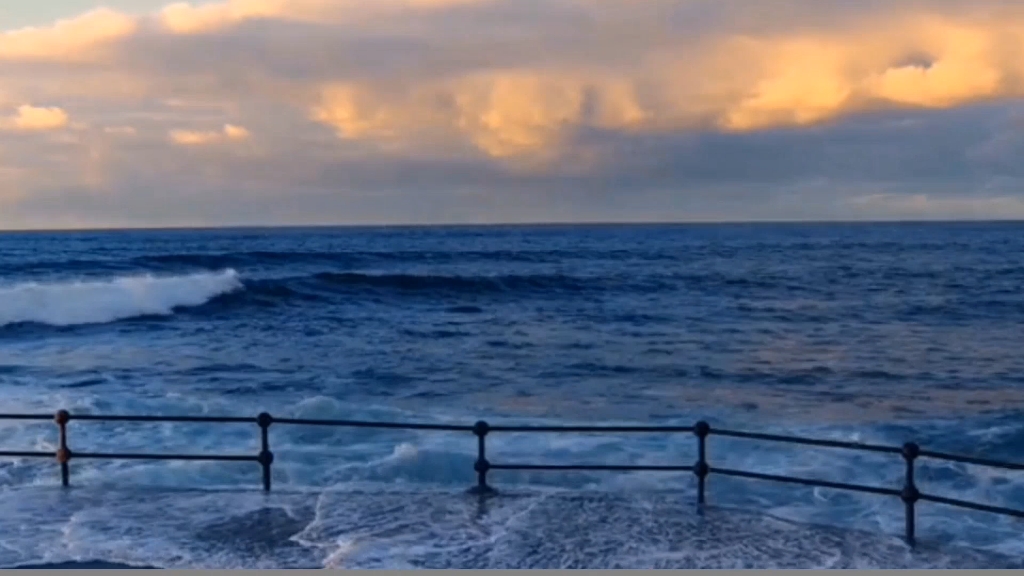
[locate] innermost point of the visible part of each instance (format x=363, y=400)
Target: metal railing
x=910, y=452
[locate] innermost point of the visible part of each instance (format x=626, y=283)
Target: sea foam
x=100, y=301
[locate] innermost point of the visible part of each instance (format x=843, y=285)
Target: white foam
x=405, y=451
x=101, y=301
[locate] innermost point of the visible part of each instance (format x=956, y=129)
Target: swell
x=100, y=301
x=241, y=260
x=402, y=288
x=455, y=284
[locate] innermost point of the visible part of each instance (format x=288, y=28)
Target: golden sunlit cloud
x=185, y=18
x=736, y=83
x=198, y=138
x=76, y=39
x=36, y=119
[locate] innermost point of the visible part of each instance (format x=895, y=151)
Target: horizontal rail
x=191, y=457
x=971, y=460
x=597, y=429
x=25, y=454
x=366, y=424
x=592, y=467
x=973, y=505
x=809, y=441
x=806, y=482
x=162, y=419
x=43, y=417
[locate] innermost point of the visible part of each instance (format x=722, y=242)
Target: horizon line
x=521, y=224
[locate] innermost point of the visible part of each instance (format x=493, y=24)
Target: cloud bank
x=320, y=111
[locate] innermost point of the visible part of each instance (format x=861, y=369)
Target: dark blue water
x=880, y=332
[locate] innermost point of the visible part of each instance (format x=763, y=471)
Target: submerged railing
x=701, y=469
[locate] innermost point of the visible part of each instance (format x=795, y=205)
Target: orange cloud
x=503, y=114
x=197, y=138
x=36, y=119
x=71, y=40
x=735, y=82
x=184, y=18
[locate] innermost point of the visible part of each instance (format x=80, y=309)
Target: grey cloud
x=817, y=174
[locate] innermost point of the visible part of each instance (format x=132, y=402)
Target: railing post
x=910, y=494
x=266, y=457
x=481, y=466
x=700, y=468
x=62, y=417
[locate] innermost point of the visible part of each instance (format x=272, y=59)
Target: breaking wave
x=78, y=302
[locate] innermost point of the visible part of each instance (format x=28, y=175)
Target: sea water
x=881, y=333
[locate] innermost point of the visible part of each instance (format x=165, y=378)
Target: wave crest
x=97, y=302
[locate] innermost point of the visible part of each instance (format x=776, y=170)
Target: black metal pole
x=62, y=417
x=700, y=468
x=266, y=457
x=910, y=494
x=481, y=466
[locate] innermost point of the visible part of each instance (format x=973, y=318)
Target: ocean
x=881, y=333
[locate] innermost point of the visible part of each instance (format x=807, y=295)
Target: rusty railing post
x=910, y=494
x=266, y=457
x=62, y=417
x=700, y=468
x=481, y=466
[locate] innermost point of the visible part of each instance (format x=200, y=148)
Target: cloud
x=76, y=39
x=606, y=108
x=121, y=130
x=732, y=81
x=925, y=206
x=184, y=18
x=187, y=18
x=197, y=138
x=36, y=119
x=537, y=83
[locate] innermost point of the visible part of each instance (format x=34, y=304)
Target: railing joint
x=481, y=466
x=63, y=455
x=266, y=457
x=700, y=468
x=264, y=420
x=62, y=417
x=910, y=494
x=481, y=428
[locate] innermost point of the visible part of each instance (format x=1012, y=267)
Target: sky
x=136, y=113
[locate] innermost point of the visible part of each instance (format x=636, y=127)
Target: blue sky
x=19, y=13
x=427, y=111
